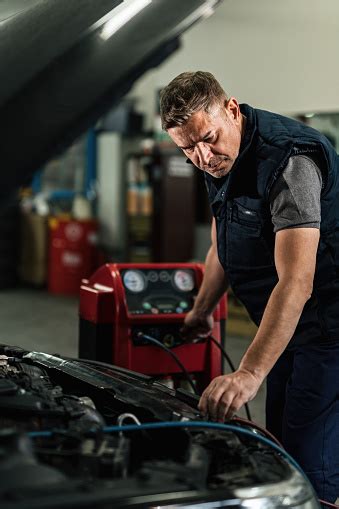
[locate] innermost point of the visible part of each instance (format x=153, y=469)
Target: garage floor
x=36, y=320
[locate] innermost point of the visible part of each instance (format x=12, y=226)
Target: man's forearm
x=277, y=327
x=213, y=286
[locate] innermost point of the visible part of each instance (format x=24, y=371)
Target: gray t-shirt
x=295, y=197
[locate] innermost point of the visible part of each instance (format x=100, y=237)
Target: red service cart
x=121, y=302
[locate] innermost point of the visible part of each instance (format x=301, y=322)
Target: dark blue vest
x=240, y=204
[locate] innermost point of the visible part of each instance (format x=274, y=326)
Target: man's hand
x=226, y=394
x=196, y=325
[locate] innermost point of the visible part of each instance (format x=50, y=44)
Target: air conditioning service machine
x=123, y=306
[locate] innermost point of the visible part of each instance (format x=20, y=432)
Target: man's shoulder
x=277, y=129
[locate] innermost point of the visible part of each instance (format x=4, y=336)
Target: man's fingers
x=226, y=394
x=227, y=410
x=210, y=399
x=196, y=326
x=213, y=402
x=188, y=333
x=228, y=405
x=203, y=403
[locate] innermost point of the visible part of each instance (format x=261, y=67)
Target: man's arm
x=295, y=259
x=199, y=321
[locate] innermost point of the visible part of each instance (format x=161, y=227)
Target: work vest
x=245, y=236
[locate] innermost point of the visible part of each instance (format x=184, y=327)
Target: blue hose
x=188, y=424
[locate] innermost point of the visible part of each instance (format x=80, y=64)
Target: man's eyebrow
x=207, y=135
x=185, y=148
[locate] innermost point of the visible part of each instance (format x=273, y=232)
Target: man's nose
x=204, y=154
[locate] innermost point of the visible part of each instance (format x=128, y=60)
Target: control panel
x=159, y=291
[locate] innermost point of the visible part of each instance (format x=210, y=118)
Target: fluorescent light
x=121, y=15
x=204, y=11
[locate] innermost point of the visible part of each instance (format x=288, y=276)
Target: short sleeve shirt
x=295, y=196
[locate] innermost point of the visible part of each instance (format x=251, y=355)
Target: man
x=273, y=187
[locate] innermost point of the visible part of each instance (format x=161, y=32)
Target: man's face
x=211, y=140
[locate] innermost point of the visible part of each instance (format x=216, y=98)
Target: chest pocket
x=246, y=244
x=246, y=220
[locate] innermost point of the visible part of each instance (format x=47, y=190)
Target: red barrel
x=72, y=254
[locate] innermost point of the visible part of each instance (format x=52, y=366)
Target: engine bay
x=57, y=451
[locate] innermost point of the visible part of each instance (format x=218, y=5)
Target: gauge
x=183, y=280
x=164, y=276
x=152, y=276
x=135, y=281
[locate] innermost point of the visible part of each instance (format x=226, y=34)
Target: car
x=82, y=433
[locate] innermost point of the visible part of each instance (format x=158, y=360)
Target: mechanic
x=273, y=187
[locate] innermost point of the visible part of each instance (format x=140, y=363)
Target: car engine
x=56, y=450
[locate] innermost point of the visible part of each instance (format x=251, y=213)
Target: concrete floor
x=36, y=320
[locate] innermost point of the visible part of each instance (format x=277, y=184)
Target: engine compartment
x=55, y=451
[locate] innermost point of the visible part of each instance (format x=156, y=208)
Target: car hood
x=130, y=388
x=66, y=62
x=66, y=441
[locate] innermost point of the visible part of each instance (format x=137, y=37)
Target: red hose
x=254, y=425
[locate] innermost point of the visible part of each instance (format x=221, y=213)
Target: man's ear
x=233, y=108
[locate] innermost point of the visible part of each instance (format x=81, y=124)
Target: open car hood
x=77, y=433
x=66, y=62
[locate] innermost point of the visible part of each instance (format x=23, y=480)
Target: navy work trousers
x=302, y=411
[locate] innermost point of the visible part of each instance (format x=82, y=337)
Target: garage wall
x=281, y=56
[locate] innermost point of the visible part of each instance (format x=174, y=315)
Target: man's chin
x=219, y=173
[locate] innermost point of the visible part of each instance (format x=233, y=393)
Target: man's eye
x=189, y=149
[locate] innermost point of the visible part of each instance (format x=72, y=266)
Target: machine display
x=159, y=290
x=126, y=308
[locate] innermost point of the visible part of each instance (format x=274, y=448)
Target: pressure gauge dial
x=134, y=281
x=183, y=280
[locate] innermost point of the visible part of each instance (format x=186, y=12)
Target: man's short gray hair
x=186, y=94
